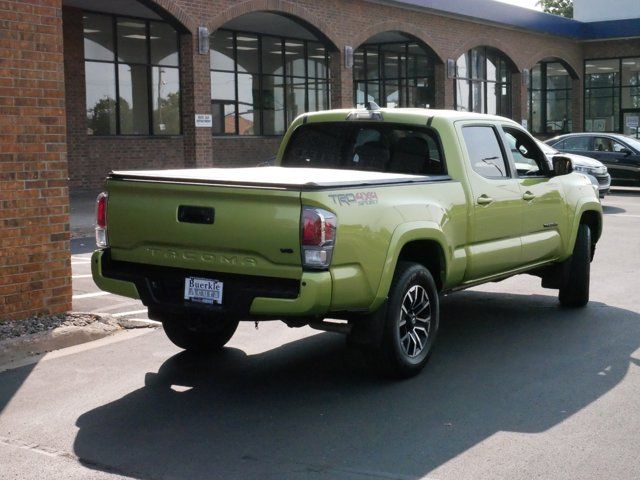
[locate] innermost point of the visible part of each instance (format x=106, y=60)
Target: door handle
x=528, y=196
x=484, y=200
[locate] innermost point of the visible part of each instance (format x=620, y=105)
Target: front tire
x=411, y=322
x=198, y=341
x=574, y=289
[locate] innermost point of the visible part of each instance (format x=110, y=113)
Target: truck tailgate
x=226, y=229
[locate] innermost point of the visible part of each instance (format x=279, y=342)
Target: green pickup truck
x=367, y=216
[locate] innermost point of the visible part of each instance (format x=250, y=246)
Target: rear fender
x=404, y=234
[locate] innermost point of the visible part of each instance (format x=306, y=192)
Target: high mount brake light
x=318, y=234
x=101, y=220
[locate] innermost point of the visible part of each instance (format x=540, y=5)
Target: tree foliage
x=557, y=7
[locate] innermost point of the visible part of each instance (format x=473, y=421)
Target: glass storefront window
x=164, y=44
x=137, y=93
x=166, y=100
x=98, y=37
x=260, y=83
x=100, y=81
x=550, y=96
x=134, y=101
x=395, y=74
x=483, y=82
x=611, y=91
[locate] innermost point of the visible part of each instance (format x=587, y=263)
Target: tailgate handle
x=190, y=214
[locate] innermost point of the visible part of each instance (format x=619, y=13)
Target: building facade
x=90, y=86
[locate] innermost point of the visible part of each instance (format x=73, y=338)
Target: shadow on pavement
x=311, y=409
x=608, y=209
x=11, y=381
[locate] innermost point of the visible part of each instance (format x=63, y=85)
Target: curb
x=13, y=350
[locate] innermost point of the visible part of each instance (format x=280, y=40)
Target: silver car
x=593, y=168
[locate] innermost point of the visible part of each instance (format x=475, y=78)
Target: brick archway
x=296, y=12
x=539, y=57
x=171, y=8
x=394, y=26
x=488, y=42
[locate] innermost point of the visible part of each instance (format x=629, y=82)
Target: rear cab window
x=485, y=153
x=369, y=146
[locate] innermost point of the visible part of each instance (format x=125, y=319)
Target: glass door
x=631, y=122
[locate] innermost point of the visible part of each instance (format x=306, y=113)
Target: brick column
x=447, y=93
x=341, y=81
x=577, y=107
x=35, y=267
x=519, y=97
x=196, y=98
x=441, y=82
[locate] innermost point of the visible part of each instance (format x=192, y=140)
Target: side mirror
x=562, y=165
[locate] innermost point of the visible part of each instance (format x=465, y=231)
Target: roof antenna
x=371, y=106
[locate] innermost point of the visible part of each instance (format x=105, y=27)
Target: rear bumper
x=245, y=297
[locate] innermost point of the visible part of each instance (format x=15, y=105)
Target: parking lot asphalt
x=518, y=388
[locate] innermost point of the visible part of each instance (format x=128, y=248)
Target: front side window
x=366, y=146
x=397, y=74
x=529, y=159
x=605, y=144
x=131, y=76
x=261, y=83
x=485, y=153
x=482, y=82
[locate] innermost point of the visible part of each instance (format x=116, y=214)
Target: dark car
x=621, y=154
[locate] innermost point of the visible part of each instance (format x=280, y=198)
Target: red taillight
x=318, y=227
x=311, y=227
x=101, y=220
x=318, y=234
x=101, y=210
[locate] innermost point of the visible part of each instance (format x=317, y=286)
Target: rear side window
x=485, y=154
x=366, y=146
x=579, y=144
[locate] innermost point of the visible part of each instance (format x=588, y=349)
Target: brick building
x=87, y=86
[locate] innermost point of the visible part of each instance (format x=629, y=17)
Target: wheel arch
x=590, y=214
x=421, y=242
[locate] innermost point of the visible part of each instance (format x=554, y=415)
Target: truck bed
x=273, y=177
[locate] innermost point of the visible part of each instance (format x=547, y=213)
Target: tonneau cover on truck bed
x=274, y=177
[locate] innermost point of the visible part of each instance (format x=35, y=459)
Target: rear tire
x=198, y=341
x=574, y=289
x=411, y=322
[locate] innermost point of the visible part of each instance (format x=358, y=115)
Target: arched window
x=394, y=71
x=483, y=82
x=550, y=98
x=261, y=81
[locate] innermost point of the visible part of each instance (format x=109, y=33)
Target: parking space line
x=124, y=314
x=89, y=295
x=150, y=322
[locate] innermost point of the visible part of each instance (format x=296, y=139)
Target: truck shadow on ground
x=311, y=409
x=608, y=209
